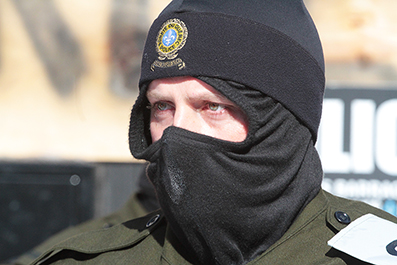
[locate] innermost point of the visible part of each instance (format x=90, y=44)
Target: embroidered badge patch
x=170, y=39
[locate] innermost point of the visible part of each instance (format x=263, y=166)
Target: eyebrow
x=155, y=95
x=214, y=96
x=218, y=97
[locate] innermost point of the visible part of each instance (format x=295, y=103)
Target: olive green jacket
x=131, y=209
x=148, y=240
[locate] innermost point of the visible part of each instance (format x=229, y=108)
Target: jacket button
x=342, y=217
x=152, y=220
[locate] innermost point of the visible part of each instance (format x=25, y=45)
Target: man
x=229, y=107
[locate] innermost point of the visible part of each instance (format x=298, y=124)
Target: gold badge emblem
x=170, y=39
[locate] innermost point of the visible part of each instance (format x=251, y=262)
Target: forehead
x=183, y=86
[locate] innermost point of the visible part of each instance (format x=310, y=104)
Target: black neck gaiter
x=228, y=202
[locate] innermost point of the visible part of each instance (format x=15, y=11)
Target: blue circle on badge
x=169, y=37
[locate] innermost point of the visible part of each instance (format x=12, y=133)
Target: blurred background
x=68, y=79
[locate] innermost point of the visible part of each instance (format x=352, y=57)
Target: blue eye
x=215, y=106
x=162, y=106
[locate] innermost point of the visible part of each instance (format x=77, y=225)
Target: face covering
x=228, y=202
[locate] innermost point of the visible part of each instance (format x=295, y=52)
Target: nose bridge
x=185, y=118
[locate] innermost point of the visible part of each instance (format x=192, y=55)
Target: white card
x=370, y=239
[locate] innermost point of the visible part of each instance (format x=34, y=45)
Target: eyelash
x=155, y=106
x=218, y=105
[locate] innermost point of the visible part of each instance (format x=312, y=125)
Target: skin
x=193, y=105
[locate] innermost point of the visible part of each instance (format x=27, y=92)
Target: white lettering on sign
x=386, y=137
x=362, y=188
x=330, y=137
x=362, y=131
x=373, y=137
x=378, y=193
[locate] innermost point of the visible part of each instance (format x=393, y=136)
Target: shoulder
x=112, y=243
x=340, y=212
x=369, y=237
x=356, y=208
x=131, y=209
x=306, y=241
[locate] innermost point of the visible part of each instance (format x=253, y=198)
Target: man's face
x=193, y=105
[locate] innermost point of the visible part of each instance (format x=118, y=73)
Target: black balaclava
x=228, y=202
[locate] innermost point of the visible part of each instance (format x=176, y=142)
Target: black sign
x=358, y=145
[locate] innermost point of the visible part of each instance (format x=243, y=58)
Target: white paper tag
x=370, y=239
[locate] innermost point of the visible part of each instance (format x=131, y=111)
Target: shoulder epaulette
x=108, y=239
